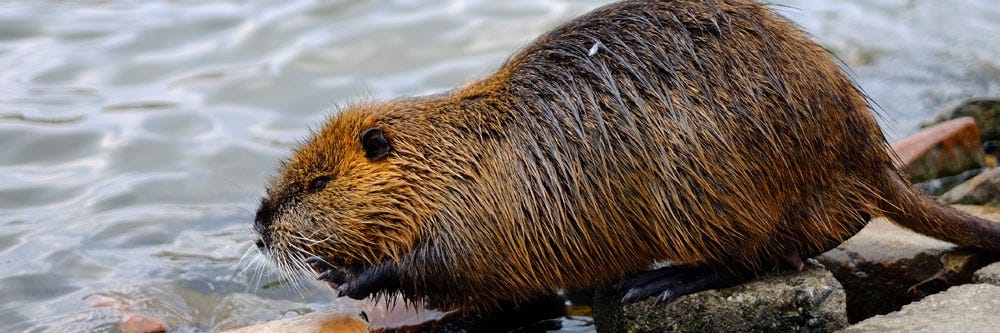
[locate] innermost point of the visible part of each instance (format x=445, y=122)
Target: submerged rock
x=141, y=323
x=968, y=308
x=316, y=322
x=811, y=300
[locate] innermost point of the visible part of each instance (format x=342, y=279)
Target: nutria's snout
x=262, y=223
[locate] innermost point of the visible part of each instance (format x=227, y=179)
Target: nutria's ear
x=376, y=146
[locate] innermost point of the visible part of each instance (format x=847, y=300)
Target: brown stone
x=941, y=150
x=140, y=323
x=316, y=322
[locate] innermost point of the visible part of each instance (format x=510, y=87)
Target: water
x=137, y=135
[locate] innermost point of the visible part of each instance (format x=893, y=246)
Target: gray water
x=137, y=135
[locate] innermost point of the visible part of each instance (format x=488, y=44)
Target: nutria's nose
x=262, y=222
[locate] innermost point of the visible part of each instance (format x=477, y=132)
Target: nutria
x=711, y=134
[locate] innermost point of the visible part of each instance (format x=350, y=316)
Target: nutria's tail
x=916, y=211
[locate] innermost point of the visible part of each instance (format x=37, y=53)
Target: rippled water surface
x=137, y=135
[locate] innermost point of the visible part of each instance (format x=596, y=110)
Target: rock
x=968, y=308
x=941, y=150
x=316, y=322
x=140, y=323
x=538, y=315
x=131, y=321
x=811, y=300
x=939, y=186
x=884, y=266
x=397, y=316
x=989, y=274
x=983, y=189
x=985, y=111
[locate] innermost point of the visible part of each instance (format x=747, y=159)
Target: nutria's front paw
x=327, y=271
x=367, y=281
x=671, y=282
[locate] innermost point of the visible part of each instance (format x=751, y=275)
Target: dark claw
x=383, y=277
x=665, y=297
x=332, y=276
x=318, y=263
x=672, y=282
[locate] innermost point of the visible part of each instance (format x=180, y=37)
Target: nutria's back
x=700, y=132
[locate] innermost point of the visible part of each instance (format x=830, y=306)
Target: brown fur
x=700, y=132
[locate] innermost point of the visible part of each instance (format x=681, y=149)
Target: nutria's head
x=339, y=196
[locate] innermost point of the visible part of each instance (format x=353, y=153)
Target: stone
x=939, y=186
x=989, y=274
x=140, y=323
x=945, y=149
x=983, y=189
x=131, y=321
x=316, y=322
x=985, y=111
x=811, y=300
x=967, y=308
x=885, y=266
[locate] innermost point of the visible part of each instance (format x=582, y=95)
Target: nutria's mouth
x=356, y=281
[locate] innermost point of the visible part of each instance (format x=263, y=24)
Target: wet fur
x=706, y=133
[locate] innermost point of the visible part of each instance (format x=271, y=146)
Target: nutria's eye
x=318, y=184
x=375, y=144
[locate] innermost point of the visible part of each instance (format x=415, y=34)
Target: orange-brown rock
x=941, y=150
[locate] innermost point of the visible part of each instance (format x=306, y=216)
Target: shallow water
x=137, y=135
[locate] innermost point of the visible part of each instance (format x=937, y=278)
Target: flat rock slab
x=884, y=266
x=989, y=274
x=967, y=308
x=811, y=300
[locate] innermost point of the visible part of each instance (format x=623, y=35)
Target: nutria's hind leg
x=671, y=282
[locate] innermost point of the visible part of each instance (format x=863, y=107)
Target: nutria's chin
x=713, y=134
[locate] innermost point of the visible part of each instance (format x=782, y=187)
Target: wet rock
x=140, y=323
x=968, y=308
x=538, y=315
x=985, y=111
x=989, y=274
x=316, y=322
x=884, y=266
x=131, y=320
x=941, y=150
x=983, y=189
x=811, y=300
x=941, y=185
